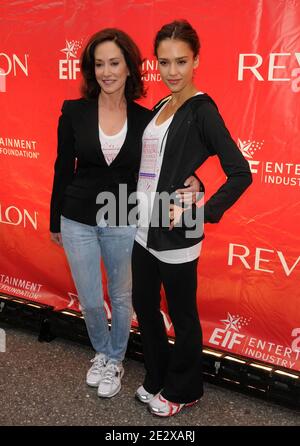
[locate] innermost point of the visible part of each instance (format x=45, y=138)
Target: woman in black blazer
x=99, y=150
x=186, y=129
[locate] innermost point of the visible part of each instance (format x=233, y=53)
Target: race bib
x=147, y=174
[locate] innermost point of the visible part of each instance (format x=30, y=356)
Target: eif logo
x=11, y=65
x=70, y=66
x=248, y=148
x=279, y=173
x=2, y=341
x=229, y=336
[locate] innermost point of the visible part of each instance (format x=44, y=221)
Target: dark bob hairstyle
x=134, y=87
x=179, y=30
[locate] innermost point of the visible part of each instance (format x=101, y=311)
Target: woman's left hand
x=188, y=195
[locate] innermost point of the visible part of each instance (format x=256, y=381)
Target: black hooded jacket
x=197, y=132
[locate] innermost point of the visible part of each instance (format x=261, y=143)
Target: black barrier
x=237, y=373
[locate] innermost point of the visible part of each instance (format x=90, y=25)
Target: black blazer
x=81, y=171
x=197, y=131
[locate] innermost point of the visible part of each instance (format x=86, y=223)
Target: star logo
x=235, y=322
x=231, y=323
x=248, y=148
x=71, y=48
x=244, y=148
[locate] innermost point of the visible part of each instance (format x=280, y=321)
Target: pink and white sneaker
x=163, y=408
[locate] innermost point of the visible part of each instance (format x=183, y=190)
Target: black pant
x=176, y=370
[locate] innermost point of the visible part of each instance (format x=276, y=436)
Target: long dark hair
x=180, y=30
x=134, y=87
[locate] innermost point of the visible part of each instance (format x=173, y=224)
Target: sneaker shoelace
x=110, y=373
x=98, y=363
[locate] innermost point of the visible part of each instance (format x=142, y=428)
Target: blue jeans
x=85, y=246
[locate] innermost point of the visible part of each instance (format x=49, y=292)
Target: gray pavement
x=43, y=384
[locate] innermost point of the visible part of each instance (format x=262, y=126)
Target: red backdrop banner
x=249, y=270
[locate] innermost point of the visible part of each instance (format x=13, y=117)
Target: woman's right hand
x=56, y=238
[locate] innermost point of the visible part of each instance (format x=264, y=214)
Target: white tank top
x=111, y=144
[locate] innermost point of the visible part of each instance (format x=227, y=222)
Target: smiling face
x=176, y=62
x=111, y=70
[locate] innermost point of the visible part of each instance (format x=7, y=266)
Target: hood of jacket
x=193, y=101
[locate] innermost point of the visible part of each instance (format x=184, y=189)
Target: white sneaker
x=95, y=373
x=142, y=395
x=163, y=408
x=110, y=383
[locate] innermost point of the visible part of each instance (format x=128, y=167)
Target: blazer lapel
x=92, y=130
